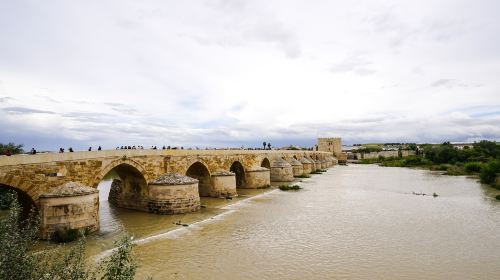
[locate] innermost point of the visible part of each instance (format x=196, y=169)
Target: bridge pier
x=297, y=168
x=70, y=206
x=173, y=194
x=281, y=171
x=317, y=164
x=223, y=184
x=306, y=165
x=257, y=178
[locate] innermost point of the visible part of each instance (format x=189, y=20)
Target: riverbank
x=477, y=170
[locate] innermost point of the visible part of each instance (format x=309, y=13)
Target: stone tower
x=332, y=145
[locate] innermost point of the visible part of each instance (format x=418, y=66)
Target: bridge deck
x=85, y=155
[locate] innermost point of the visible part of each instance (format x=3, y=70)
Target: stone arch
x=199, y=170
x=265, y=163
x=25, y=200
x=123, y=162
x=239, y=171
x=130, y=190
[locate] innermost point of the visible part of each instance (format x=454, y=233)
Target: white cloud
x=218, y=72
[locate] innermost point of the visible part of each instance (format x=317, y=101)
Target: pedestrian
x=33, y=151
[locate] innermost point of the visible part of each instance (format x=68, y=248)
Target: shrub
x=17, y=262
x=303, y=176
x=497, y=197
x=473, y=167
x=489, y=172
x=288, y=188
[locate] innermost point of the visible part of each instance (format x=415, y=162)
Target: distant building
x=332, y=145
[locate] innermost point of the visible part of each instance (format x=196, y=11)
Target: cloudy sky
x=218, y=73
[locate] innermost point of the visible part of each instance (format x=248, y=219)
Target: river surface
x=352, y=222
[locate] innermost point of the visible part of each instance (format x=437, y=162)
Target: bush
x=497, y=197
x=288, y=188
x=489, y=172
x=12, y=148
x=473, y=167
x=18, y=262
x=303, y=176
x=6, y=199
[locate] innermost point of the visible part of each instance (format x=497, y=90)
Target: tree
x=18, y=262
x=120, y=265
x=264, y=144
x=12, y=148
x=269, y=146
x=16, y=238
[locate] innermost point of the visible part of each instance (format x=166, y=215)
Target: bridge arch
x=199, y=170
x=265, y=163
x=239, y=171
x=25, y=200
x=117, y=163
x=129, y=187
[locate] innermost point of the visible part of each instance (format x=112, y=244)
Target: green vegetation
x=316, y=172
x=289, y=188
x=264, y=187
x=5, y=199
x=303, y=176
x=482, y=159
x=497, y=197
x=11, y=148
x=18, y=261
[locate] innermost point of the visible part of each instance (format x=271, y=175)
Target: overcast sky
x=218, y=73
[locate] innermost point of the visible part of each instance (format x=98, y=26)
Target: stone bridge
x=63, y=186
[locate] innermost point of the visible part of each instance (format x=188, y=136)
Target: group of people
x=130, y=148
x=70, y=149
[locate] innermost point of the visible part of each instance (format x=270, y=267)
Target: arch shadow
x=239, y=171
x=266, y=163
x=199, y=171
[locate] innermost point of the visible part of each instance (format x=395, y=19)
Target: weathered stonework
x=281, y=171
x=257, y=178
x=306, y=165
x=297, y=168
x=318, y=165
x=224, y=184
x=173, y=194
x=70, y=206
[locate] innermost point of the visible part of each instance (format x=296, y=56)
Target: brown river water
x=352, y=222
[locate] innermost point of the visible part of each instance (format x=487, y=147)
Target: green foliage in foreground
x=5, y=199
x=18, y=262
x=12, y=148
x=289, y=188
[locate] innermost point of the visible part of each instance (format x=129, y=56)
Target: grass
x=289, y=188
